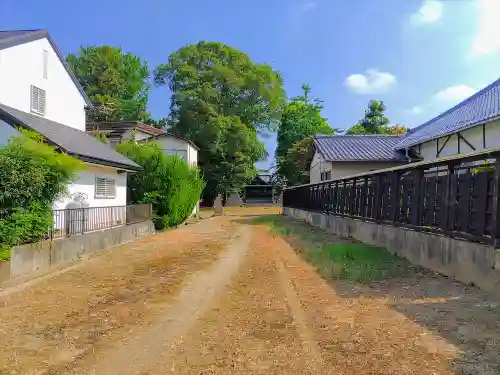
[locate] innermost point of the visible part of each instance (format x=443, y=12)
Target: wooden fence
x=454, y=196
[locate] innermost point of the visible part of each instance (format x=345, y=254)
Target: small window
x=182, y=154
x=322, y=176
x=328, y=175
x=45, y=64
x=105, y=187
x=37, y=100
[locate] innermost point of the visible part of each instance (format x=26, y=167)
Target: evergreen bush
x=167, y=182
x=33, y=175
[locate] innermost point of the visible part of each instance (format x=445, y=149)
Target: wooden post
x=447, y=197
x=495, y=219
x=395, y=197
x=377, y=199
x=417, y=197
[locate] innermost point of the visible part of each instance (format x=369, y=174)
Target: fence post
x=395, y=197
x=495, y=218
x=417, y=197
x=377, y=199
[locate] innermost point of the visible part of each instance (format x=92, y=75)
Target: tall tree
x=301, y=119
x=295, y=166
x=116, y=82
x=375, y=121
x=219, y=91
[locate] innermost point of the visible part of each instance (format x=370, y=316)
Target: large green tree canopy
x=222, y=100
x=375, y=121
x=301, y=119
x=116, y=82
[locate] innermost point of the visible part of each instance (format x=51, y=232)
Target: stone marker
x=234, y=200
x=218, y=207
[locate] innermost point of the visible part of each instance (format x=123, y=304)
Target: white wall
x=343, y=169
x=86, y=184
x=6, y=131
x=428, y=150
x=22, y=66
x=171, y=144
x=315, y=169
x=139, y=135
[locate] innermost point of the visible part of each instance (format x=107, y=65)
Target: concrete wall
x=37, y=257
x=22, y=66
x=466, y=261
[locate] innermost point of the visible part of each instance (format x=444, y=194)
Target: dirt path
x=227, y=297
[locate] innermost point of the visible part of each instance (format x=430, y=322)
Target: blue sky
x=420, y=57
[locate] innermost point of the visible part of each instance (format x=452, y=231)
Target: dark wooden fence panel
x=457, y=198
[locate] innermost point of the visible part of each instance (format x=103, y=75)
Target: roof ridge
x=359, y=135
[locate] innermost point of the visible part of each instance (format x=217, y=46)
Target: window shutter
x=38, y=99
x=105, y=187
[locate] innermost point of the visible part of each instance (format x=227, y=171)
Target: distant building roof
x=479, y=108
x=359, y=147
x=11, y=38
x=117, y=128
x=73, y=141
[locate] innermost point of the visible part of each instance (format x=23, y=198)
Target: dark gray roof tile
x=359, y=147
x=70, y=140
x=479, y=108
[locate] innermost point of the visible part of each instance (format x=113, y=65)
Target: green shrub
x=33, y=175
x=167, y=182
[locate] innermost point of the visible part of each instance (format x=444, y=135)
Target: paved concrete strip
x=304, y=330
x=156, y=345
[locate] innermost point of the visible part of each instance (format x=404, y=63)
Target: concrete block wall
x=466, y=261
x=40, y=256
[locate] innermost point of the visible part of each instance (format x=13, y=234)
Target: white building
x=169, y=143
x=39, y=92
x=471, y=125
x=337, y=156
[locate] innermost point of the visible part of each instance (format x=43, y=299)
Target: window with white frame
x=105, y=187
x=38, y=98
x=182, y=154
x=45, y=63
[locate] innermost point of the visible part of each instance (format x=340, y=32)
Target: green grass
x=346, y=260
x=4, y=253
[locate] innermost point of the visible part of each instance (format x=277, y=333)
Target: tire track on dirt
x=157, y=344
x=307, y=337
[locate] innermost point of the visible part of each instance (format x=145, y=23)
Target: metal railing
x=455, y=196
x=74, y=221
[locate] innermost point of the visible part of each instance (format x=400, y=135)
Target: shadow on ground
x=462, y=315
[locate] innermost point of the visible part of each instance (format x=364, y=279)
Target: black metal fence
x=455, y=196
x=73, y=221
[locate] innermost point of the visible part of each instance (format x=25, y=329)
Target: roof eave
x=37, y=35
x=479, y=123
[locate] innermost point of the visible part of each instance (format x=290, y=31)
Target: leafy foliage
x=117, y=83
x=33, y=176
x=167, y=182
x=301, y=119
x=217, y=92
x=295, y=166
x=376, y=122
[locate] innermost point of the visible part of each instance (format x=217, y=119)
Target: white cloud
x=430, y=11
x=372, y=82
x=309, y=5
x=416, y=110
x=455, y=94
x=487, y=38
